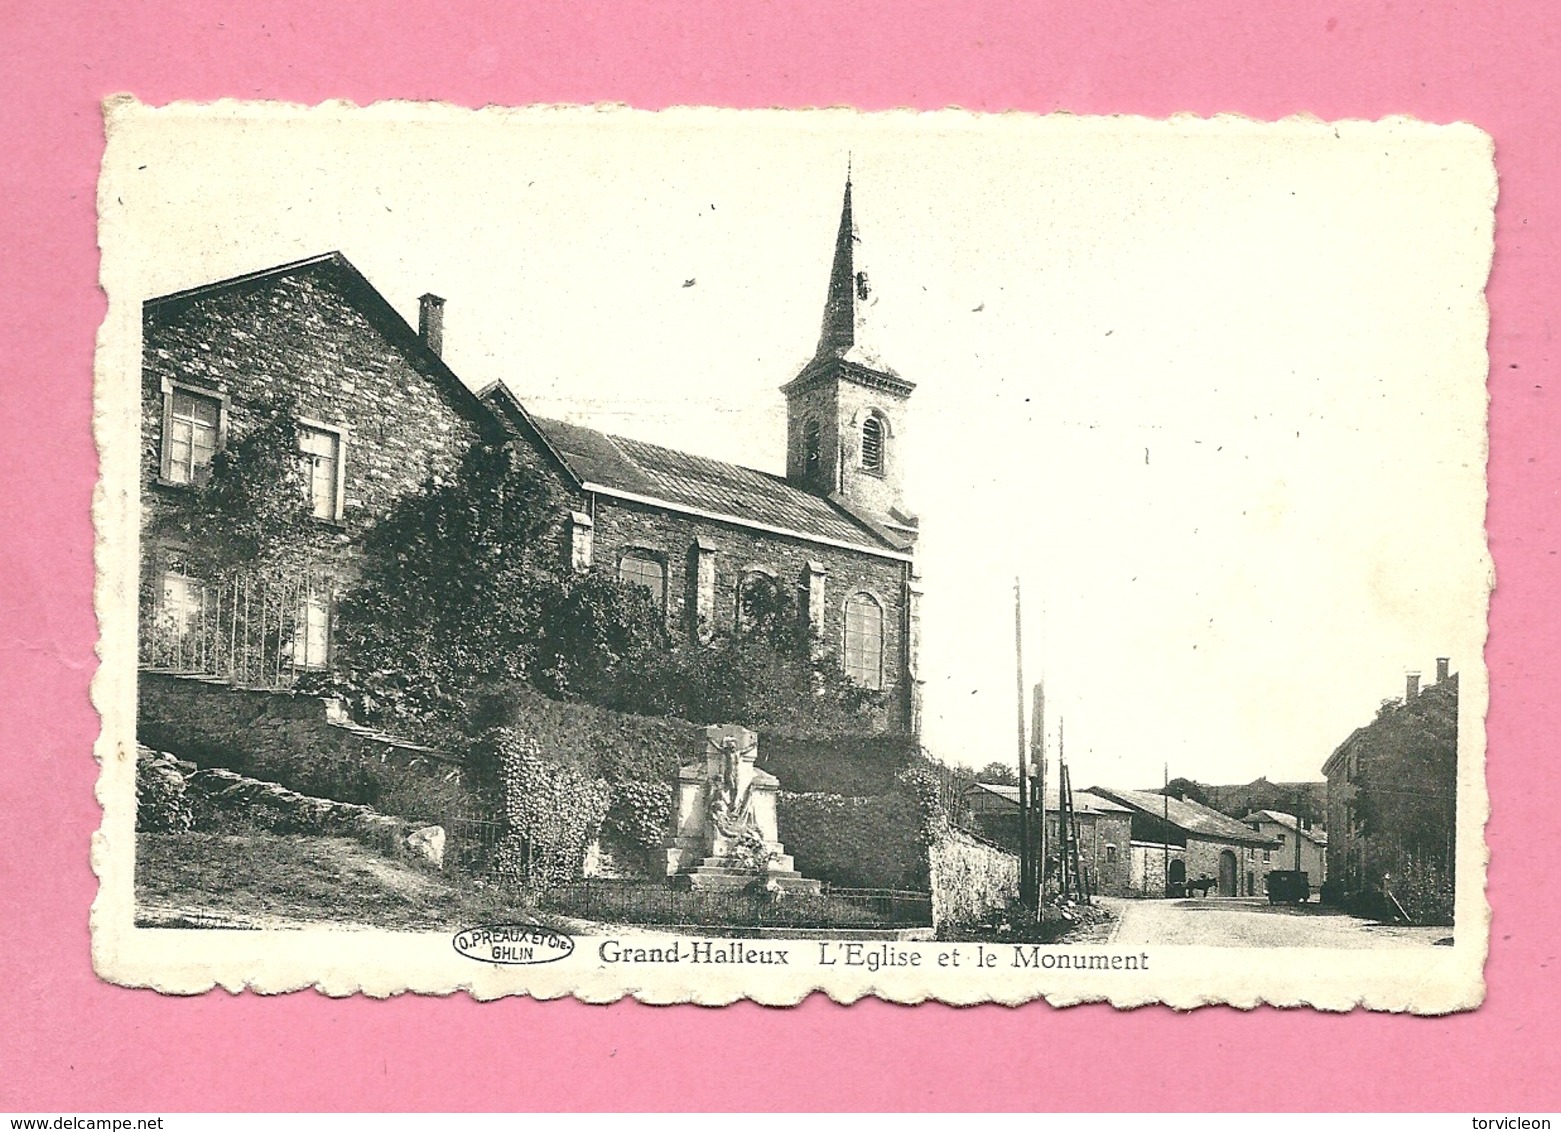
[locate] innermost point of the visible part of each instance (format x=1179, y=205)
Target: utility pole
x=1062, y=829
x=1298, y=831
x=1038, y=759
x=1165, y=832
x=1024, y=775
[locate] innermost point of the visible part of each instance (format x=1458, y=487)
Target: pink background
x=68, y=1042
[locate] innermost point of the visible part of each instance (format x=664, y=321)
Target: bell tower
x=846, y=410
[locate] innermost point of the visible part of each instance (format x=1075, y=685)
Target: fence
x=470, y=843
x=251, y=630
x=658, y=903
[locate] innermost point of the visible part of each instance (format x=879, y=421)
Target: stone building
x=376, y=409
x=700, y=533
x=1392, y=794
x=379, y=411
x=1299, y=845
x=1104, y=831
x=1176, y=842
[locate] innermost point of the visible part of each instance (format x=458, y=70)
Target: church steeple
x=845, y=412
x=847, y=329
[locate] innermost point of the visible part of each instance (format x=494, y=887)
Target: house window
x=320, y=460
x=312, y=629
x=864, y=641
x=1268, y=855
x=812, y=449
x=872, y=445
x=180, y=616
x=639, y=568
x=191, y=434
x=1111, y=853
x=1281, y=838
x=757, y=600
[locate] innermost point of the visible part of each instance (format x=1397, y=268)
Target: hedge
x=855, y=842
x=605, y=744
x=856, y=766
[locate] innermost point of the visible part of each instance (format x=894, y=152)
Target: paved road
x=1243, y=922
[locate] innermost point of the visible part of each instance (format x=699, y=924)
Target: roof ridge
x=251, y=276
x=771, y=479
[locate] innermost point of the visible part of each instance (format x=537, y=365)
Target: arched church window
x=812, y=448
x=643, y=569
x=864, y=640
x=758, y=600
x=872, y=445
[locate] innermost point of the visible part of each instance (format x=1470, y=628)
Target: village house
x=1103, y=827
x=1392, y=793
x=1288, y=832
x=378, y=412
x=1178, y=844
x=375, y=410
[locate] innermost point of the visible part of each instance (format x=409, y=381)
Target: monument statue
x=723, y=830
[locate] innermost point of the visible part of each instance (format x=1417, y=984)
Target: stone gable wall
x=299, y=336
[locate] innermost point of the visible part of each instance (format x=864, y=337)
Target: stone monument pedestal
x=723, y=830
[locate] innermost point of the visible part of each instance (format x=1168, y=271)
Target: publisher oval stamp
x=515, y=944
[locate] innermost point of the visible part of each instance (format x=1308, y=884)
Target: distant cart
x=1288, y=886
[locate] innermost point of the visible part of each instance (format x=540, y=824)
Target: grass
x=268, y=880
x=258, y=879
x=1083, y=924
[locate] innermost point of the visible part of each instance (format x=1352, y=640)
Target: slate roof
x=683, y=480
x=1190, y=817
x=1084, y=801
x=1315, y=835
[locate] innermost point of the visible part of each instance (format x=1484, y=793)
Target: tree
x=998, y=774
x=453, y=595
x=1186, y=790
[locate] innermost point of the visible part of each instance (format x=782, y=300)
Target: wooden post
x=1062, y=828
x=1038, y=758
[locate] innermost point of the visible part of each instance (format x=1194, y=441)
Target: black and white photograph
x=709, y=555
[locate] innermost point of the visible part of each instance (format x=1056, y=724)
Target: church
x=380, y=410
x=698, y=532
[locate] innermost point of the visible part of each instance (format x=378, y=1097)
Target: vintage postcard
x=712, y=555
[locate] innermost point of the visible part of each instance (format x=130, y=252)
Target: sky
x=1213, y=391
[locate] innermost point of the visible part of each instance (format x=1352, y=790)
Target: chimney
x=1442, y=663
x=430, y=322
x=1411, y=686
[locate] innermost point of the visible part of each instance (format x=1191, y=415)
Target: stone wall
x=174, y=796
x=288, y=738
x=970, y=880
x=1203, y=860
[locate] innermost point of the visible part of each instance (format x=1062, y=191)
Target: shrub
x=161, y=803
x=852, y=765
x=609, y=744
x=639, y=812
x=855, y=842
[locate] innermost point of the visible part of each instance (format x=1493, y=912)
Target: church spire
x=849, y=302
